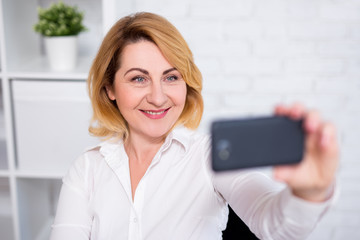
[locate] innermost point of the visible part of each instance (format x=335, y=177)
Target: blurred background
x=253, y=54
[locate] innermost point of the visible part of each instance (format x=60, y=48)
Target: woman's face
x=149, y=92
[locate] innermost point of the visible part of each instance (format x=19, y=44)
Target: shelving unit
x=44, y=115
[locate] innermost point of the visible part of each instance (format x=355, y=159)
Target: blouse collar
x=179, y=134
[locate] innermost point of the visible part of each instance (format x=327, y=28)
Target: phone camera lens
x=224, y=150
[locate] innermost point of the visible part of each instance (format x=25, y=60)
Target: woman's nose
x=157, y=96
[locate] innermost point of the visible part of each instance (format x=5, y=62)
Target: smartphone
x=256, y=142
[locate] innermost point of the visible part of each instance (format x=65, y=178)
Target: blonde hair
x=107, y=121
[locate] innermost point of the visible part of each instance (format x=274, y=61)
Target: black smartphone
x=256, y=142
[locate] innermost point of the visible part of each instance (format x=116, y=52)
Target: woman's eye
x=171, y=78
x=138, y=79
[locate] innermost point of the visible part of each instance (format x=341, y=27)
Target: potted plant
x=60, y=25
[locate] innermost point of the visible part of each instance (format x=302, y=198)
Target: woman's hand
x=313, y=177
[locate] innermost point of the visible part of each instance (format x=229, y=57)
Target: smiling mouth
x=155, y=112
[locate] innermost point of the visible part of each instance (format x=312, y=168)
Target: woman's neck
x=142, y=149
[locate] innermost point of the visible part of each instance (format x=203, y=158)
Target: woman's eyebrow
x=169, y=70
x=146, y=72
x=137, y=69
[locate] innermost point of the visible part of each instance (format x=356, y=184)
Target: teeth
x=154, y=113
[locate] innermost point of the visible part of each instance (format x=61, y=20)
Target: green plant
x=59, y=20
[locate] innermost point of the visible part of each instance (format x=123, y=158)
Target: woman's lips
x=155, y=114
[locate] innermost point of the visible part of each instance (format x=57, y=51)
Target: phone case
x=256, y=142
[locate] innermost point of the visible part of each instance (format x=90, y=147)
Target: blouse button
x=135, y=220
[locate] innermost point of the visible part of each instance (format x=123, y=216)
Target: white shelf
x=36, y=116
x=38, y=68
x=39, y=174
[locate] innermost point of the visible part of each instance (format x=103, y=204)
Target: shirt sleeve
x=269, y=209
x=73, y=217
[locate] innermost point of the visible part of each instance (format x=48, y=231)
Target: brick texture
x=255, y=54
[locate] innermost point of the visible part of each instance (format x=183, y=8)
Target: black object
x=256, y=142
x=237, y=229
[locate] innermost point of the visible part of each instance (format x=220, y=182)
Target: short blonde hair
x=107, y=121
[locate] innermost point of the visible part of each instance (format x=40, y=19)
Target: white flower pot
x=61, y=52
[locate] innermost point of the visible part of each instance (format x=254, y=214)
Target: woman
x=150, y=178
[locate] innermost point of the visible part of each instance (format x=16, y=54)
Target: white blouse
x=179, y=197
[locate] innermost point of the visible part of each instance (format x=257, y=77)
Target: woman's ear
x=110, y=92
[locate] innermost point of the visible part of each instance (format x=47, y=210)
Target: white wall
x=256, y=53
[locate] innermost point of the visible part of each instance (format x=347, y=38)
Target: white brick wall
x=256, y=53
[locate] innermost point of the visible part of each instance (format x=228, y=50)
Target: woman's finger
x=327, y=136
x=296, y=111
x=312, y=121
x=284, y=173
x=280, y=110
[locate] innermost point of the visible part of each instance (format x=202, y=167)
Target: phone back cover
x=256, y=142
